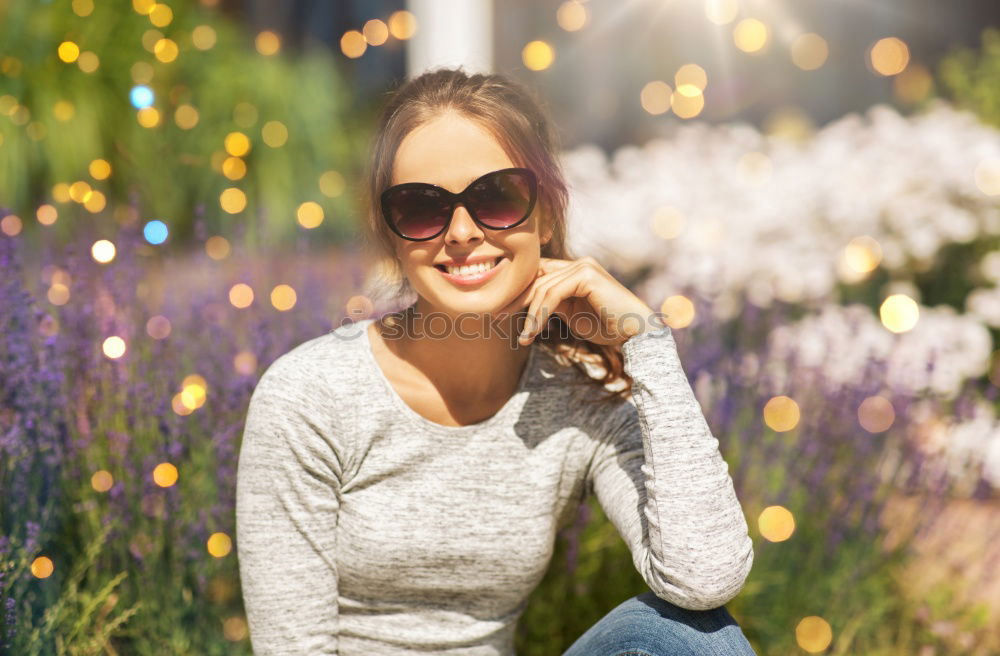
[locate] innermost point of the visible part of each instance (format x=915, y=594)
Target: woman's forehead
x=449, y=151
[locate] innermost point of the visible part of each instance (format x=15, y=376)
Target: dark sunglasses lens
x=502, y=199
x=417, y=213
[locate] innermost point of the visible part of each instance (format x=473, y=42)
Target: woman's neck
x=466, y=358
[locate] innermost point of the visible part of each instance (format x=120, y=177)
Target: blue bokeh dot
x=141, y=96
x=155, y=232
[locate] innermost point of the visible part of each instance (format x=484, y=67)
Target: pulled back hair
x=517, y=119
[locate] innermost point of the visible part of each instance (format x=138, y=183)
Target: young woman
x=402, y=479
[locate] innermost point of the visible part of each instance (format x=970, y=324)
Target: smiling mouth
x=441, y=267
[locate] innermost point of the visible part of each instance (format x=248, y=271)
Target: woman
x=401, y=480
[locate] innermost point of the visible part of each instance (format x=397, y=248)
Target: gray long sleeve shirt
x=365, y=528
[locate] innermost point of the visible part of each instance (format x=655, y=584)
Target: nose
x=462, y=228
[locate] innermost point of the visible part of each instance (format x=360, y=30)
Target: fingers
x=547, y=296
x=521, y=300
x=546, y=265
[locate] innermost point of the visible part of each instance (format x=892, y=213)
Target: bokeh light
x=538, y=55
x=241, y=295
x=166, y=50
x=274, y=134
x=165, y=474
x=813, y=634
x=245, y=363
x=809, y=51
x=359, y=307
x=353, y=44
x=876, y=414
x=283, y=297
x=83, y=8
x=686, y=106
x=237, y=144
x=219, y=545
x=46, y=214
x=781, y=413
x=148, y=117
x=402, y=24
x=102, y=480
x=899, y=313
x=776, y=523
x=750, y=35
x=42, y=567
x=332, y=183
x=234, y=168
x=194, y=391
x=161, y=15
x=309, y=214
x=99, y=169
x=155, y=231
x=186, y=116
x=235, y=629
x=233, y=200
x=889, y=56
x=914, y=84
x=141, y=96
x=203, y=37
x=11, y=225
x=721, y=12
x=158, y=327
x=113, y=347
x=655, y=97
x=217, y=247
x=679, y=311
x=103, y=251
x=68, y=51
x=690, y=80
x=376, y=32
x=268, y=43
x=88, y=61
x=571, y=15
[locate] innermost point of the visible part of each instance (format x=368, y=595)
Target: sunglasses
x=498, y=200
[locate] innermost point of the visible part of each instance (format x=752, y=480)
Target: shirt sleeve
x=287, y=504
x=661, y=480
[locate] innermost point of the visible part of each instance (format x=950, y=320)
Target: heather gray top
x=365, y=528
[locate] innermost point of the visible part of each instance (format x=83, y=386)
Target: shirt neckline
x=415, y=416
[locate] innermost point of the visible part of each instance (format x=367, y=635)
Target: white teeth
x=471, y=269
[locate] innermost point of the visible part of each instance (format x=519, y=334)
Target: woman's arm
x=287, y=504
x=662, y=482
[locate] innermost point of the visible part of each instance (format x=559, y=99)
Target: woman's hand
x=592, y=303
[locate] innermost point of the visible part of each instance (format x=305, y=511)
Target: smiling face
x=451, y=151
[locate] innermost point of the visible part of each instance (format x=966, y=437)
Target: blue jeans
x=646, y=625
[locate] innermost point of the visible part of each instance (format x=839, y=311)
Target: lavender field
x=125, y=384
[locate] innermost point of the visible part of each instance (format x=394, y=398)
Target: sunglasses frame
x=454, y=199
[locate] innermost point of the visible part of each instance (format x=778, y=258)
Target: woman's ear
x=546, y=235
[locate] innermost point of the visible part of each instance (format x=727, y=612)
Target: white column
x=451, y=33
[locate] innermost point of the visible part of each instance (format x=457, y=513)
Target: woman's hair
x=518, y=121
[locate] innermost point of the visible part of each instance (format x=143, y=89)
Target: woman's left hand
x=592, y=303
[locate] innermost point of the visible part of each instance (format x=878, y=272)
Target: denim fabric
x=646, y=625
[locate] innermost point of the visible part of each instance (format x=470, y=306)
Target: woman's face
x=451, y=151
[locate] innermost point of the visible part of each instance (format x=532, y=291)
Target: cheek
x=525, y=268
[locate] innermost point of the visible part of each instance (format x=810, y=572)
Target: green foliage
x=972, y=78
x=55, y=119
x=80, y=622
x=858, y=588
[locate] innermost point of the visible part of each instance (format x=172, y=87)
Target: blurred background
x=809, y=190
